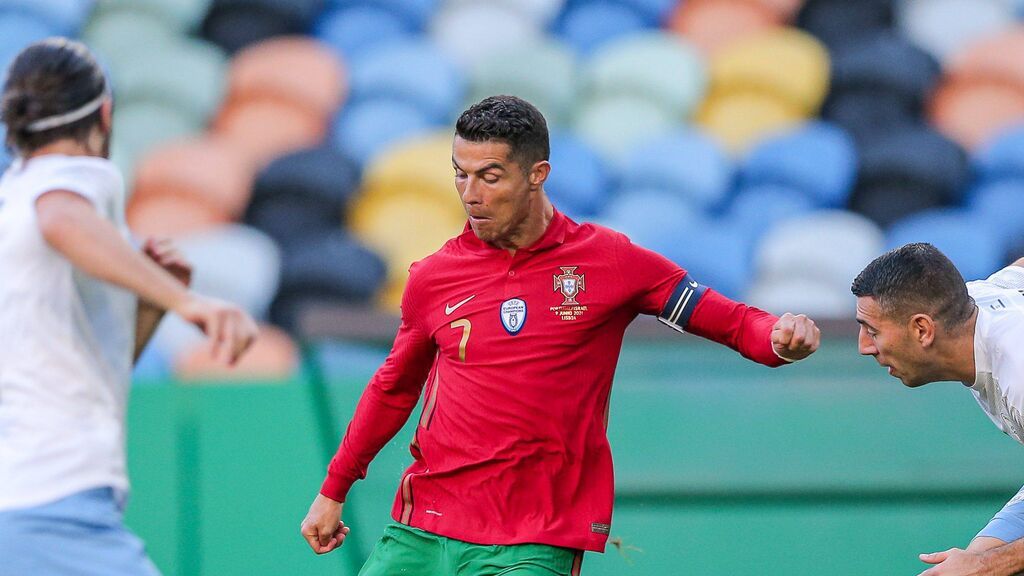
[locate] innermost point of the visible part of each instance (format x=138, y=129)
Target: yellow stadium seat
x=741, y=119
x=420, y=165
x=785, y=62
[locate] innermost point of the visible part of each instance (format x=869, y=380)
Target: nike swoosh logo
x=449, y=309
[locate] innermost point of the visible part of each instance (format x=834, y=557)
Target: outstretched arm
x=1000, y=561
x=166, y=255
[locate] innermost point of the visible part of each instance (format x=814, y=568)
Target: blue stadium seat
x=716, y=253
x=885, y=61
x=153, y=366
x=366, y=128
x=65, y=17
x=835, y=22
x=998, y=206
x=869, y=114
x=945, y=28
x=415, y=13
x=352, y=31
x=302, y=193
x=654, y=12
x=687, y=163
x=652, y=219
x=579, y=183
x=18, y=30
x=235, y=24
x=818, y=158
x=413, y=71
x=974, y=248
x=589, y=26
x=1003, y=157
x=472, y=30
x=757, y=208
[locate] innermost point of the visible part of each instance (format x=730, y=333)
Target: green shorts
x=412, y=552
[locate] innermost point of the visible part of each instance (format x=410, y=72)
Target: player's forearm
x=146, y=321
x=1005, y=560
x=1019, y=262
x=95, y=246
x=743, y=328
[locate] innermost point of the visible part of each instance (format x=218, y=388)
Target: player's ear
x=922, y=329
x=539, y=173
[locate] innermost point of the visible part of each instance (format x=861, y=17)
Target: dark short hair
x=511, y=120
x=915, y=279
x=49, y=78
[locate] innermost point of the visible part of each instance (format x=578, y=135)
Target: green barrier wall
x=722, y=467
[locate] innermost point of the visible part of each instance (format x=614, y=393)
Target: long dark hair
x=50, y=78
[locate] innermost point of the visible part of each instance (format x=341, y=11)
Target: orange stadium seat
x=712, y=24
x=170, y=216
x=266, y=128
x=973, y=112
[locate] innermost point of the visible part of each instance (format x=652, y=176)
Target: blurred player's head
x=910, y=300
x=500, y=155
x=56, y=92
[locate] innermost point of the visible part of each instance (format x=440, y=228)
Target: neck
x=64, y=146
x=957, y=356
x=532, y=228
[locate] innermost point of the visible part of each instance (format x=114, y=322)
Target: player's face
x=495, y=190
x=890, y=342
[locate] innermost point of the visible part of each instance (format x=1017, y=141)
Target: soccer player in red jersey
x=511, y=331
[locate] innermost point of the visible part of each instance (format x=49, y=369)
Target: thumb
x=935, y=557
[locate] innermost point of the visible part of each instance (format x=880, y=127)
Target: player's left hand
x=169, y=257
x=956, y=562
x=795, y=337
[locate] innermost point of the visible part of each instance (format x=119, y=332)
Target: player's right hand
x=230, y=329
x=322, y=528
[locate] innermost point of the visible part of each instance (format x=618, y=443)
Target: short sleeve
x=95, y=179
x=1011, y=277
x=649, y=277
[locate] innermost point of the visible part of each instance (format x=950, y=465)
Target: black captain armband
x=682, y=303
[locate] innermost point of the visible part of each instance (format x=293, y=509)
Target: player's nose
x=864, y=344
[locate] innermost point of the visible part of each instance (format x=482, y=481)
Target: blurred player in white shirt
x=921, y=321
x=77, y=305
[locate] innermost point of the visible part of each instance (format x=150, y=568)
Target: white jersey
x=999, y=349
x=66, y=343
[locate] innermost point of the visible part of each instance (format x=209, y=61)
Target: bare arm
x=167, y=256
x=71, y=225
x=999, y=561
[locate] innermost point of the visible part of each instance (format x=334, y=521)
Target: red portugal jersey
x=514, y=356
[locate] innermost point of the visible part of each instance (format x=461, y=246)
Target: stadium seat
x=654, y=12
x=152, y=367
x=186, y=75
x=785, y=62
x=998, y=206
x=741, y=119
x=328, y=268
x=274, y=357
x=414, y=72
x=235, y=263
x=652, y=219
x=713, y=24
x=614, y=125
x=298, y=70
x=579, y=183
x=466, y=31
x=836, y=22
x=143, y=126
x=993, y=58
x=420, y=165
x=818, y=158
x=589, y=26
x=65, y=17
x=265, y=129
x=785, y=10
x=673, y=73
x=172, y=216
x=1003, y=156
x=207, y=169
x=716, y=253
x=355, y=30
x=885, y=62
x=543, y=74
x=868, y=113
x=827, y=246
x=415, y=13
x=366, y=128
x=944, y=27
x=756, y=208
x=974, y=111
x=819, y=300
x=235, y=24
x=18, y=30
x=124, y=35
x=686, y=162
x=302, y=193
x=184, y=16
x=975, y=249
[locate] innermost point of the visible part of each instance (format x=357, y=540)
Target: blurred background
x=299, y=152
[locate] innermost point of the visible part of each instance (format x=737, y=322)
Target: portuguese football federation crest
x=570, y=284
x=513, y=315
